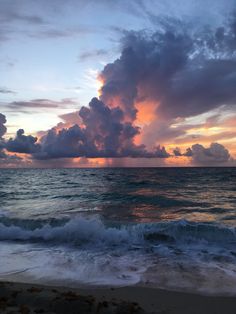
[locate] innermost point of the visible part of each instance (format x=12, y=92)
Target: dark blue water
x=166, y=227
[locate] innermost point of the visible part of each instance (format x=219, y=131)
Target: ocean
x=171, y=228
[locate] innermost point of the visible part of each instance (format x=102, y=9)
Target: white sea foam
x=83, y=230
x=173, y=255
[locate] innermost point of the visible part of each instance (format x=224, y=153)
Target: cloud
x=92, y=54
x=160, y=152
x=13, y=18
x=56, y=33
x=3, y=129
x=41, y=103
x=214, y=154
x=10, y=17
x=11, y=161
x=173, y=70
x=145, y=68
x=41, y=16
x=102, y=133
x=11, y=13
x=6, y=91
x=23, y=144
x=195, y=91
x=177, y=152
x=70, y=118
x=182, y=71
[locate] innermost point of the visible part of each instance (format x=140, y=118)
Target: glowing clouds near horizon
x=145, y=100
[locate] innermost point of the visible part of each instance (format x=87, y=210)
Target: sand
x=27, y=298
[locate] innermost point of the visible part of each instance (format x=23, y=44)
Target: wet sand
x=27, y=298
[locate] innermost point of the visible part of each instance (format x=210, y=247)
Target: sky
x=87, y=83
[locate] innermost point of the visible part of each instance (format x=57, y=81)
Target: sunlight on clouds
x=91, y=80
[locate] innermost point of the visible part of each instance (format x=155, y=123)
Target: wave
x=83, y=230
x=181, y=255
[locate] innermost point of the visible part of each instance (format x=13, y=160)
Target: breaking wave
x=83, y=230
x=180, y=255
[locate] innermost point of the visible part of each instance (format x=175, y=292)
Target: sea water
x=171, y=228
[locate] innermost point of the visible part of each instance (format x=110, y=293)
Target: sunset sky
x=91, y=83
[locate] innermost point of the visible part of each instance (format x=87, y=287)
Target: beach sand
x=27, y=298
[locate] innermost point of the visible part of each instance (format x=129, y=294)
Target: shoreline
x=28, y=298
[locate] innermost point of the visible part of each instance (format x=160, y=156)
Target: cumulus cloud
x=181, y=71
x=23, y=143
x=103, y=133
x=160, y=152
x=145, y=68
x=214, y=154
x=3, y=130
x=177, y=152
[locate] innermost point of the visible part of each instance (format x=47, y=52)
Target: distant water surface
x=166, y=227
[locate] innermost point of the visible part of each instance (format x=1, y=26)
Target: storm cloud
x=183, y=73
x=145, y=69
x=103, y=133
x=23, y=143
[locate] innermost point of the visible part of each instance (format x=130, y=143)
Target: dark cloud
x=145, y=68
x=3, y=129
x=215, y=154
x=160, y=152
x=181, y=71
x=212, y=155
x=198, y=90
x=23, y=143
x=188, y=153
x=92, y=54
x=173, y=70
x=103, y=134
x=177, y=152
